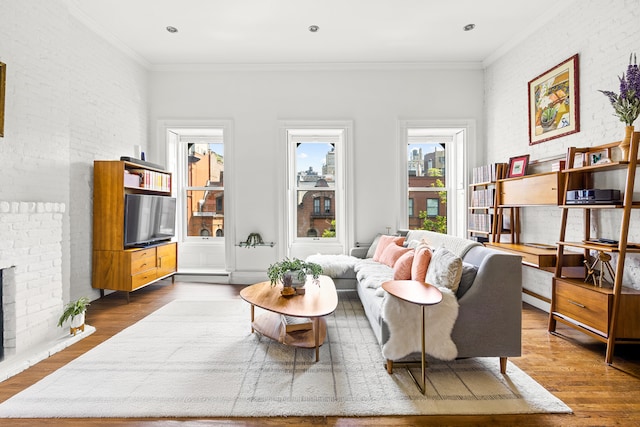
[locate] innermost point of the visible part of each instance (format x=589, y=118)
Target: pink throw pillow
x=420, y=263
x=385, y=241
x=391, y=254
x=402, y=267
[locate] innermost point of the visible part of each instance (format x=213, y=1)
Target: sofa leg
x=389, y=366
x=503, y=365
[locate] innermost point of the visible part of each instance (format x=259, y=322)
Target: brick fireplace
x=31, y=268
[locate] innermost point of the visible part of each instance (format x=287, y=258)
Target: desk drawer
x=583, y=305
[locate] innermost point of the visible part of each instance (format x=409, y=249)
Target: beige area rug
x=199, y=359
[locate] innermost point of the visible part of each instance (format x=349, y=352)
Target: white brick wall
x=31, y=260
x=603, y=34
x=72, y=97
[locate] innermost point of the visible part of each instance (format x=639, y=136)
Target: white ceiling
x=351, y=31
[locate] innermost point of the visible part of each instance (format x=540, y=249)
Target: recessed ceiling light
x=314, y=28
x=469, y=27
x=172, y=29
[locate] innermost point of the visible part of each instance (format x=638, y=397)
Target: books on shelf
x=152, y=180
x=489, y=173
x=483, y=198
x=480, y=222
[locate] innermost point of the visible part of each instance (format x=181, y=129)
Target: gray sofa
x=489, y=301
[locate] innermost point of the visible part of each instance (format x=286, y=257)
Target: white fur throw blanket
x=334, y=265
x=403, y=319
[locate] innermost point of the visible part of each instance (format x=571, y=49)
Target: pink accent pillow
x=391, y=254
x=385, y=241
x=421, y=261
x=402, y=267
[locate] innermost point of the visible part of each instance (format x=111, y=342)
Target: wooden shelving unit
x=482, y=201
x=543, y=189
x=114, y=266
x=607, y=313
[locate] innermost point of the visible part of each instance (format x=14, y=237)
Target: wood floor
x=571, y=367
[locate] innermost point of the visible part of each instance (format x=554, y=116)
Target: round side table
x=422, y=294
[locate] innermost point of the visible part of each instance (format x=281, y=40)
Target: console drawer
x=583, y=305
x=141, y=279
x=143, y=260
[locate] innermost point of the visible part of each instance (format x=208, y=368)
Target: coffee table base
x=270, y=325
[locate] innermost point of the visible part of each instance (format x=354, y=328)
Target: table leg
x=421, y=387
x=252, y=316
x=316, y=330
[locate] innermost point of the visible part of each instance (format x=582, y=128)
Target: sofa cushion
x=385, y=241
x=469, y=272
x=372, y=249
x=420, y=263
x=445, y=270
x=402, y=267
x=391, y=254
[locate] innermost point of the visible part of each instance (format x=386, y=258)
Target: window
x=204, y=202
x=317, y=209
x=315, y=180
x=433, y=207
x=433, y=174
x=426, y=165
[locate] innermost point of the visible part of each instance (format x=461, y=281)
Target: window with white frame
x=427, y=180
x=316, y=199
x=203, y=163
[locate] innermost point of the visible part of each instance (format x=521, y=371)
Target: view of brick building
x=205, y=208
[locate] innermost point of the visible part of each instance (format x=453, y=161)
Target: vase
x=626, y=143
x=77, y=324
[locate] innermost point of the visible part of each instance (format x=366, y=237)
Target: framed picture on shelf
x=553, y=102
x=518, y=166
x=600, y=157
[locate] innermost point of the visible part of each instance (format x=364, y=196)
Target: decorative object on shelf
x=75, y=311
x=518, y=166
x=292, y=273
x=600, y=263
x=3, y=80
x=253, y=240
x=553, y=102
x=626, y=104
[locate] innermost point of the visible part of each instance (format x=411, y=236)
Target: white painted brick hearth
x=31, y=264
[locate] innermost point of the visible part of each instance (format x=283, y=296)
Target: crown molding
x=321, y=66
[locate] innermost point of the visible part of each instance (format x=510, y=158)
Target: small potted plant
x=292, y=273
x=253, y=240
x=75, y=311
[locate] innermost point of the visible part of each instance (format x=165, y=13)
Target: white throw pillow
x=445, y=270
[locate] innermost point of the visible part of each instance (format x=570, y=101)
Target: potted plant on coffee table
x=75, y=312
x=292, y=273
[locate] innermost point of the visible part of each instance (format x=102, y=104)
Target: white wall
x=603, y=34
x=257, y=99
x=71, y=98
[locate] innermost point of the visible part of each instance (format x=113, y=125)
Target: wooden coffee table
x=422, y=294
x=317, y=302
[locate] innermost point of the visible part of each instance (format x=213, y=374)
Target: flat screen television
x=148, y=219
